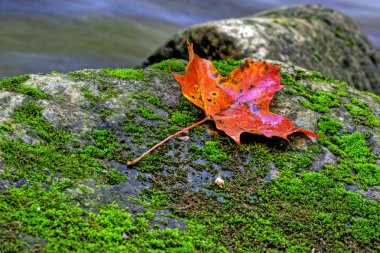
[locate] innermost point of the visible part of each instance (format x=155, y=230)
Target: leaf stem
x=130, y=163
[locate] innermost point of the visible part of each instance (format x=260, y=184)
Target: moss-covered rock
x=65, y=185
x=309, y=36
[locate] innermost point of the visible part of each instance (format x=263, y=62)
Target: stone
x=310, y=36
x=63, y=158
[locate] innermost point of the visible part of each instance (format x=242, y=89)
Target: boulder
x=309, y=36
x=65, y=186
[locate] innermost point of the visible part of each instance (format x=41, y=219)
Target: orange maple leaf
x=237, y=103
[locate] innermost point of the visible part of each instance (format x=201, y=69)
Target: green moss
x=315, y=148
x=138, y=138
x=171, y=64
x=105, y=92
x=212, y=152
x=342, y=93
x=372, y=95
x=92, y=98
x=133, y=128
x=320, y=101
x=361, y=113
x=65, y=227
x=104, y=112
x=355, y=154
x=126, y=73
x=154, y=162
x=15, y=84
x=225, y=67
x=149, y=98
x=5, y=129
x=181, y=118
x=104, y=145
x=149, y=215
x=39, y=162
x=271, y=200
x=81, y=74
x=355, y=146
x=12, y=82
x=329, y=126
x=30, y=114
x=53, y=154
x=147, y=113
x=114, y=176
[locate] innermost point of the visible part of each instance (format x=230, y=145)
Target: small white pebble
x=183, y=138
x=219, y=182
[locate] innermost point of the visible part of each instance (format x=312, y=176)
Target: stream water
x=44, y=35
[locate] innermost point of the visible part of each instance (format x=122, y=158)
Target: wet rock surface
x=65, y=140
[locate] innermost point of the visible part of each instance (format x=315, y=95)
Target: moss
x=104, y=112
x=126, y=73
x=149, y=215
x=5, y=129
x=355, y=146
x=320, y=101
x=154, y=162
x=149, y=98
x=65, y=227
x=105, y=92
x=15, y=84
x=30, y=114
x=181, y=118
x=342, y=93
x=134, y=128
x=271, y=200
x=372, y=95
x=114, y=176
x=225, y=67
x=90, y=96
x=315, y=148
x=147, y=113
x=355, y=154
x=329, y=126
x=39, y=162
x=361, y=113
x=212, y=152
x=81, y=74
x=171, y=64
x=105, y=144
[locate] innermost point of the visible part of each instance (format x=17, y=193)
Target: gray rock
x=309, y=36
x=176, y=182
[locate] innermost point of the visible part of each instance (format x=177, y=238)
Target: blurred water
x=45, y=35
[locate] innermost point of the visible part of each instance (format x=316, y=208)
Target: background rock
x=309, y=36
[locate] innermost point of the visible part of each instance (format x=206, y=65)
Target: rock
x=65, y=140
x=309, y=36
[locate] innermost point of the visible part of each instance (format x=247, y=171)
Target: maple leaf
x=237, y=103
